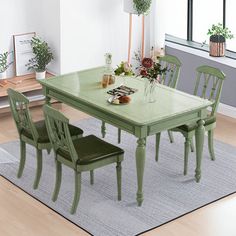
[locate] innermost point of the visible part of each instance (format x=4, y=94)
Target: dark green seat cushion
x=43, y=134
x=187, y=128
x=91, y=149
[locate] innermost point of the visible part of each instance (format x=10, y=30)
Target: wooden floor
x=20, y=214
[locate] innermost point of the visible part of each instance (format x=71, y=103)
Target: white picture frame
x=23, y=52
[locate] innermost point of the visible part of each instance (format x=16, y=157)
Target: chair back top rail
x=209, y=83
x=173, y=65
x=19, y=105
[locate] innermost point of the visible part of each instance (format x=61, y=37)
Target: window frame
x=189, y=42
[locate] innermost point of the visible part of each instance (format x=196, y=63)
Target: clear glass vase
x=150, y=91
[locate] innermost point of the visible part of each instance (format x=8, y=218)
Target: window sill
x=223, y=60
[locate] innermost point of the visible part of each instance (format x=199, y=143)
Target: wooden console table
x=27, y=85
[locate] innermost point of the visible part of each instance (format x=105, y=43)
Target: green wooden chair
x=173, y=64
x=33, y=133
x=208, y=85
x=83, y=154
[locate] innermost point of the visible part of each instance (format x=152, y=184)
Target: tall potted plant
x=218, y=35
x=138, y=7
x=3, y=65
x=43, y=56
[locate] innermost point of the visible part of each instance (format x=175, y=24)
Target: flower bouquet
x=152, y=71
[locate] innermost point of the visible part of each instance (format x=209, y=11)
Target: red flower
x=147, y=62
x=143, y=72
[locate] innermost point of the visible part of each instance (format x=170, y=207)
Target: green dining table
x=83, y=91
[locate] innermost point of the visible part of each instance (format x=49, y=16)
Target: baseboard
x=227, y=110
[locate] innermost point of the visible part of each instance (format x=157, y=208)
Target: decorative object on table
x=119, y=100
x=4, y=65
x=218, y=35
x=120, y=95
x=108, y=77
x=209, y=83
x=122, y=91
x=139, y=7
x=124, y=70
x=42, y=57
x=23, y=52
x=151, y=71
x=32, y=133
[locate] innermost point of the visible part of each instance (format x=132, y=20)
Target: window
x=206, y=13
x=175, y=15
x=231, y=23
x=191, y=19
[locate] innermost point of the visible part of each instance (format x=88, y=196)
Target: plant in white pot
x=43, y=56
x=4, y=65
x=138, y=7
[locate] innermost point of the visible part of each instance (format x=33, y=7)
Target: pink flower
x=127, y=67
x=147, y=62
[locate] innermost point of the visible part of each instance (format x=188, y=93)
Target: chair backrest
x=58, y=131
x=209, y=84
x=19, y=105
x=173, y=64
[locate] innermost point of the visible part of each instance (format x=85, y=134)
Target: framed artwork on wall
x=23, y=52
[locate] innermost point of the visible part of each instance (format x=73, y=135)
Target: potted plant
x=137, y=7
x=218, y=35
x=3, y=65
x=43, y=57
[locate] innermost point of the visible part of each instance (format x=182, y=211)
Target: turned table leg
x=140, y=163
x=199, y=148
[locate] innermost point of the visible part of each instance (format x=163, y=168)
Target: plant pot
x=217, y=46
x=40, y=75
x=129, y=7
x=3, y=75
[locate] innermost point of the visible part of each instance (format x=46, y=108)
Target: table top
x=85, y=86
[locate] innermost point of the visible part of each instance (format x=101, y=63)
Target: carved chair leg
x=39, y=168
x=103, y=129
x=119, y=135
x=171, y=137
x=211, y=144
x=192, y=145
x=22, y=158
x=158, y=137
x=58, y=181
x=91, y=177
x=77, y=192
x=49, y=150
x=118, y=174
x=186, y=153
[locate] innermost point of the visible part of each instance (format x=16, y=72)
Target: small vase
x=150, y=91
x=40, y=75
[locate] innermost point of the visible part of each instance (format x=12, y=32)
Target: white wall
x=15, y=17
x=23, y=16
x=91, y=28
x=48, y=27
x=79, y=32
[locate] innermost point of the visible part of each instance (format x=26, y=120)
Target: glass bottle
x=108, y=76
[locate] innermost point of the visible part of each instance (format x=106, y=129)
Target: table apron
x=176, y=121
x=140, y=131
x=95, y=112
